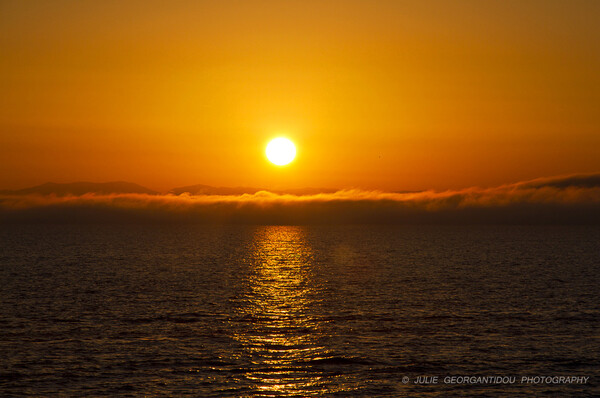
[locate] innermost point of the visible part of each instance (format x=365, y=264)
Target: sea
x=299, y=311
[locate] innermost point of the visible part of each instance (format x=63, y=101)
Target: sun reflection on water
x=281, y=335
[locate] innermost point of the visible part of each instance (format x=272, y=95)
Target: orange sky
x=384, y=95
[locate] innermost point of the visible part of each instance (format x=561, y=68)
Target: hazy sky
x=384, y=95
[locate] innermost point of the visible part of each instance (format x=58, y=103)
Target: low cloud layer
x=573, y=199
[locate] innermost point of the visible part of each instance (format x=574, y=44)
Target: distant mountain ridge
x=121, y=187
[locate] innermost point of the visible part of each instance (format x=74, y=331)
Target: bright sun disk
x=281, y=151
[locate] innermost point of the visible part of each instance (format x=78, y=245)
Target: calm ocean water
x=242, y=311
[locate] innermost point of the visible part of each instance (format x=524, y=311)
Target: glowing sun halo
x=281, y=151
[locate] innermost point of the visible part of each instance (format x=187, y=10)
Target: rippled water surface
x=296, y=311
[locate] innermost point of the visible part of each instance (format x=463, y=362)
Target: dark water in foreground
x=297, y=311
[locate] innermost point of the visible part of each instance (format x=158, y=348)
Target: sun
x=281, y=151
